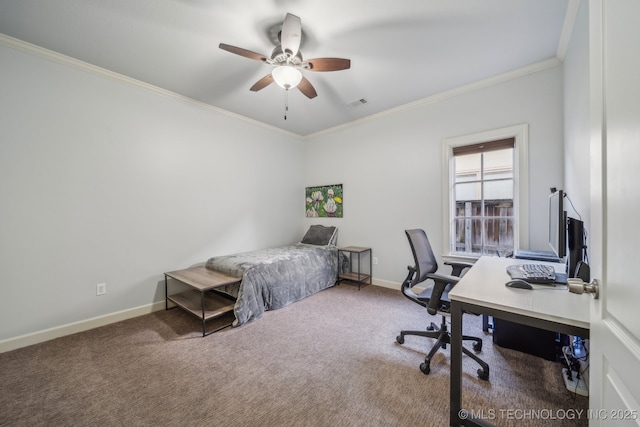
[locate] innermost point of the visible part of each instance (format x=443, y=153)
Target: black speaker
x=575, y=234
x=583, y=272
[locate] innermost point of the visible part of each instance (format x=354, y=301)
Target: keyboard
x=534, y=273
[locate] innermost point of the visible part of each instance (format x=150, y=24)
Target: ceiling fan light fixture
x=286, y=76
x=287, y=61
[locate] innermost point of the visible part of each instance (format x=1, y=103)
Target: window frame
x=520, y=133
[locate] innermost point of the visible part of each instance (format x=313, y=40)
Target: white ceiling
x=401, y=50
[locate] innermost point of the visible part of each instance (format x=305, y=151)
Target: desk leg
x=455, y=390
x=457, y=415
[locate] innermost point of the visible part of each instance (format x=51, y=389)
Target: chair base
x=443, y=337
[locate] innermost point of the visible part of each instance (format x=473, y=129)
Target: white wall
x=391, y=167
x=576, y=114
x=102, y=181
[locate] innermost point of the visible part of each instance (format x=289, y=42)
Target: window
x=483, y=197
x=486, y=186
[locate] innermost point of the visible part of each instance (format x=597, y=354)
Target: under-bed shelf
x=214, y=305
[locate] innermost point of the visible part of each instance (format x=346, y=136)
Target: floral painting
x=324, y=201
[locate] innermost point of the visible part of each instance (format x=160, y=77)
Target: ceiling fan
x=288, y=62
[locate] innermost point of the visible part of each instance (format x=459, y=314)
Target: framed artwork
x=324, y=201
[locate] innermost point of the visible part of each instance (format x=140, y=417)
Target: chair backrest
x=422, y=254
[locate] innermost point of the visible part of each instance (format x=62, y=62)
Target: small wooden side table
x=357, y=276
x=202, y=301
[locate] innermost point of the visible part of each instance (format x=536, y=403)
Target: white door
x=614, y=380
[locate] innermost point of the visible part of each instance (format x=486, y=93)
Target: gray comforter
x=273, y=278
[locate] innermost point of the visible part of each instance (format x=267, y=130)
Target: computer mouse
x=518, y=283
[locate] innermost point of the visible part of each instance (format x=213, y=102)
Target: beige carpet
x=329, y=360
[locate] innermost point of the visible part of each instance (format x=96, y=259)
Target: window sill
x=461, y=257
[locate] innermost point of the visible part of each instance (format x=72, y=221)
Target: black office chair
x=435, y=299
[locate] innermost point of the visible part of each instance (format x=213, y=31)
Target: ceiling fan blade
x=243, y=52
x=307, y=88
x=291, y=34
x=328, y=64
x=262, y=83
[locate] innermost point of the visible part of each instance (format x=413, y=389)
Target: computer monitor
x=557, y=223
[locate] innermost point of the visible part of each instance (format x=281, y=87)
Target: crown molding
x=472, y=87
x=567, y=28
x=65, y=60
x=98, y=71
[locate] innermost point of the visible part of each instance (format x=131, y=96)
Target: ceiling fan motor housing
x=280, y=57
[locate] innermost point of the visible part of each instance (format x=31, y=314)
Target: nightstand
x=356, y=274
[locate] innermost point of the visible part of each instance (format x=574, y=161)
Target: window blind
x=483, y=147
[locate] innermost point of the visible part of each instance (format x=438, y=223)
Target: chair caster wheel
x=477, y=346
x=425, y=368
x=400, y=339
x=483, y=375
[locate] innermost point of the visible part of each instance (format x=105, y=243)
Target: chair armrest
x=405, y=288
x=440, y=283
x=458, y=267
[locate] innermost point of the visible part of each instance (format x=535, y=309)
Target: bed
x=275, y=277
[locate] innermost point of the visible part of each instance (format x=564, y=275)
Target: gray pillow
x=319, y=235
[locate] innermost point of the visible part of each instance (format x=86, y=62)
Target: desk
x=482, y=291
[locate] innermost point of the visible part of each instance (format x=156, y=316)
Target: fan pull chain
x=286, y=103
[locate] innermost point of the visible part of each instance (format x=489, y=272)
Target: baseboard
x=96, y=322
x=386, y=284
x=394, y=285
x=81, y=326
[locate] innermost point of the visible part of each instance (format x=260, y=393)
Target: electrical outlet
x=375, y=261
x=101, y=288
